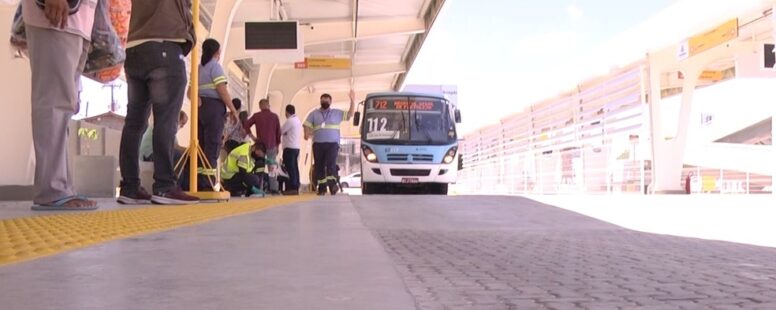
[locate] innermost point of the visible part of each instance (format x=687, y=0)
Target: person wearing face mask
x=323, y=125
x=215, y=102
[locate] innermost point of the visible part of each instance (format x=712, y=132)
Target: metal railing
x=593, y=140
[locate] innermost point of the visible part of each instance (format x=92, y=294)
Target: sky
x=508, y=54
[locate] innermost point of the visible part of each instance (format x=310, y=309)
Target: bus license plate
x=410, y=180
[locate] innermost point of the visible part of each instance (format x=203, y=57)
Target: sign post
x=193, y=140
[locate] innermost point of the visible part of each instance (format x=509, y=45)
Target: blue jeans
x=156, y=79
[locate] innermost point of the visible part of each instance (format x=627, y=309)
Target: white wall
x=16, y=151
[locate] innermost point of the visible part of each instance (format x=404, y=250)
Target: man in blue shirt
x=323, y=125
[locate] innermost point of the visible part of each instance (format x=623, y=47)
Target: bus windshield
x=408, y=120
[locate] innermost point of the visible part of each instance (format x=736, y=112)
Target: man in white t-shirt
x=291, y=134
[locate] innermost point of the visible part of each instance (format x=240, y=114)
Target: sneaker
x=258, y=193
x=174, y=197
x=137, y=197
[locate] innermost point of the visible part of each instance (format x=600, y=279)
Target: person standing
x=292, y=143
x=214, y=103
x=161, y=34
x=267, y=126
x=58, y=46
x=323, y=125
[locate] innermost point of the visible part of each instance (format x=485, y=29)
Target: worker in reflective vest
x=237, y=172
x=323, y=125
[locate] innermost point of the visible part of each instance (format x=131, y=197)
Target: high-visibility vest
x=238, y=158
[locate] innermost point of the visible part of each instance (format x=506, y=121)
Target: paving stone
x=512, y=253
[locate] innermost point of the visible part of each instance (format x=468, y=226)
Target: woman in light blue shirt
x=214, y=102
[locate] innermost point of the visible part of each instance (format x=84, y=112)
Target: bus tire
x=367, y=189
x=441, y=189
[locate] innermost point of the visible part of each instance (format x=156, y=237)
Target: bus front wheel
x=439, y=189
x=368, y=188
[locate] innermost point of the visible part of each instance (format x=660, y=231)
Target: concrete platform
x=398, y=252
x=315, y=255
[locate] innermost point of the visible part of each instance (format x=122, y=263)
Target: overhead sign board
x=324, y=63
x=769, y=56
x=712, y=38
x=708, y=75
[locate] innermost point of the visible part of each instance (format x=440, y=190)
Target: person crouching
x=237, y=173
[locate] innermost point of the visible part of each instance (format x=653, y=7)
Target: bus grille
x=422, y=157
x=410, y=172
x=398, y=157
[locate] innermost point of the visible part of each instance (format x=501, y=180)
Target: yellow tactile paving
x=27, y=238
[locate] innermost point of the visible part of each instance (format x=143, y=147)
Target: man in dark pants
x=161, y=34
x=292, y=136
x=323, y=125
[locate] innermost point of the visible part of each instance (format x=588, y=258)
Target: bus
x=408, y=141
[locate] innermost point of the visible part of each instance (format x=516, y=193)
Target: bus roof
x=403, y=94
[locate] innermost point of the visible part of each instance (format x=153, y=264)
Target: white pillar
x=221, y=25
x=260, y=78
x=15, y=123
x=668, y=156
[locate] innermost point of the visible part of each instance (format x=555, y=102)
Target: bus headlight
x=450, y=156
x=369, y=154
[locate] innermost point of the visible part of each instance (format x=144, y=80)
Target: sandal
x=72, y=203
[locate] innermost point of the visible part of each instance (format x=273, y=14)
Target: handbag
x=73, y=4
x=107, y=55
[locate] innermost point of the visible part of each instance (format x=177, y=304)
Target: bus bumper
x=408, y=173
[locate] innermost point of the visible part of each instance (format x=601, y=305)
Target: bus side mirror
x=457, y=116
x=357, y=119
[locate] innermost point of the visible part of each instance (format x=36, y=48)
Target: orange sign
x=323, y=63
x=328, y=63
x=707, y=75
x=713, y=38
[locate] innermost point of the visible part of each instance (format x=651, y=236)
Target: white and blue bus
x=408, y=140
